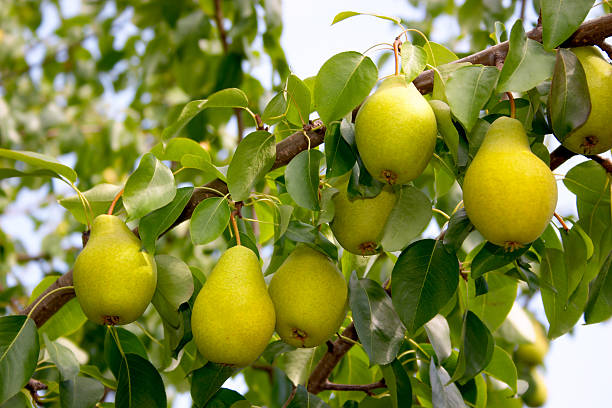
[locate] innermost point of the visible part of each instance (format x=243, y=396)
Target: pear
x=595, y=135
x=395, y=132
x=508, y=192
x=533, y=354
x=114, y=278
x=358, y=223
x=233, y=316
x=536, y=394
x=310, y=298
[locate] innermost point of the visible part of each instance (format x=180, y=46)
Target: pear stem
x=512, y=105
x=235, y=226
x=560, y=219
x=112, y=206
x=396, y=53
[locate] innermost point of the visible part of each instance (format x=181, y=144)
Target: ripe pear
x=233, y=315
x=536, y=394
x=310, y=298
x=358, y=223
x=508, y=192
x=533, y=354
x=595, y=135
x=395, y=132
x=114, y=278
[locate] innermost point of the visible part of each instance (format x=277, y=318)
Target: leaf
x=468, y=89
x=226, y=398
x=40, y=161
x=193, y=161
x=414, y=60
x=502, y=367
x=569, y=103
x=177, y=148
x=560, y=18
x=209, y=220
x=476, y=351
x=99, y=197
x=408, y=218
x=528, y=64
x=81, y=392
x=298, y=99
x=174, y=287
x=492, y=257
x=276, y=109
x=339, y=156
x=342, y=83
x=575, y=256
x=207, y=380
x=94, y=372
x=425, y=277
x=19, y=350
x=379, y=328
x=304, y=399
x=353, y=369
x=139, y=384
x=438, y=54
x=446, y=127
x=343, y=15
x=302, y=178
x=445, y=393
x=493, y=306
x=154, y=224
x=253, y=158
x=599, y=306
x=9, y=173
x=63, y=358
x=150, y=187
x=438, y=334
x=398, y=383
x=459, y=227
x=129, y=344
x=226, y=98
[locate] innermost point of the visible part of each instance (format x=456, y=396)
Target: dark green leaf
x=174, y=287
x=298, y=99
x=459, y=227
x=99, y=197
x=424, y=278
x=599, y=307
x=398, y=383
x=492, y=257
x=477, y=347
x=575, y=255
x=139, y=384
x=414, y=60
x=377, y=324
x=82, y=392
x=253, y=158
x=207, y=380
x=209, y=220
x=339, y=156
x=560, y=18
x=40, y=161
x=18, y=353
x=446, y=127
x=226, y=398
x=302, y=178
x=445, y=393
x=129, y=344
x=150, y=187
x=304, y=399
x=342, y=83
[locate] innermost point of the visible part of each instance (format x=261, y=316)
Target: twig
x=291, y=396
x=560, y=219
x=367, y=388
x=606, y=47
x=523, y=6
x=219, y=21
x=33, y=386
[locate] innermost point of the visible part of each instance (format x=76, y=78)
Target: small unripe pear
x=508, y=192
x=310, y=298
x=114, y=278
x=533, y=354
x=395, y=132
x=536, y=394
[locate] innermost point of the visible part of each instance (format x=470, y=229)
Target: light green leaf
x=343, y=15
x=209, y=219
x=414, y=60
x=298, y=100
x=63, y=358
x=560, y=18
x=502, y=367
x=446, y=127
x=100, y=197
x=493, y=307
x=174, y=287
x=40, y=161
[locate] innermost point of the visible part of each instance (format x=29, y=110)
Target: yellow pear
x=395, y=132
x=310, y=298
x=114, y=278
x=536, y=394
x=508, y=192
x=358, y=223
x=233, y=315
x=533, y=354
x=595, y=135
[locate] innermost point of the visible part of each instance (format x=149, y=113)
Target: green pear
x=310, y=298
x=395, y=132
x=358, y=223
x=595, y=135
x=233, y=316
x=114, y=278
x=508, y=192
x=536, y=394
x=533, y=354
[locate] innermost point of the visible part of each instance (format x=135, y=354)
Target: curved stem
x=235, y=226
x=512, y=105
x=396, y=54
x=112, y=206
x=560, y=219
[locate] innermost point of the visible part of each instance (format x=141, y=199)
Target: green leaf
x=81, y=392
x=476, y=351
x=152, y=225
x=226, y=98
x=446, y=127
x=414, y=60
x=63, y=358
x=339, y=156
x=492, y=257
x=569, y=103
x=9, y=173
x=493, y=306
x=209, y=220
x=343, y=15
x=468, y=89
x=298, y=100
x=129, y=344
x=94, y=372
x=19, y=350
x=139, y=384
x=276, y=109
x=207, y=380
x=425, y=277
x=177, y=148
x=438, y=334
x=150, y=187
x=302, y=178
x=560, y=18
x=398, y=383
x=444, y=392
x=575, y=256
x=100, y=197
x=599, y=306
x=40, y=161
x=192, y=161
x=379, y=328
x=528, y=64
x=408, y=218
x=174, y=287
x=342, y=83
x=226, y=398
x=304, y=399
x=459, y=227
x=353, y=369
x=438, y=54
x=502, y=367
x=253, y=158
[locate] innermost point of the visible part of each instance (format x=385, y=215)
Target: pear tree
x=389, y=232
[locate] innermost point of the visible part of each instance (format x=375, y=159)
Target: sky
x=576, y=366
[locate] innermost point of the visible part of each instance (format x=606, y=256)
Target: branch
x=561, y=154
x=367, y=388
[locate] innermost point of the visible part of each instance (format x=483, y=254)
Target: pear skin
x=533, y=354
x=595, y=135
x=537, y=393
x=310, y=298
x=358, y=224
x=508, y=192
x=233, y=316
x=114, y=279
x=395, y=132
